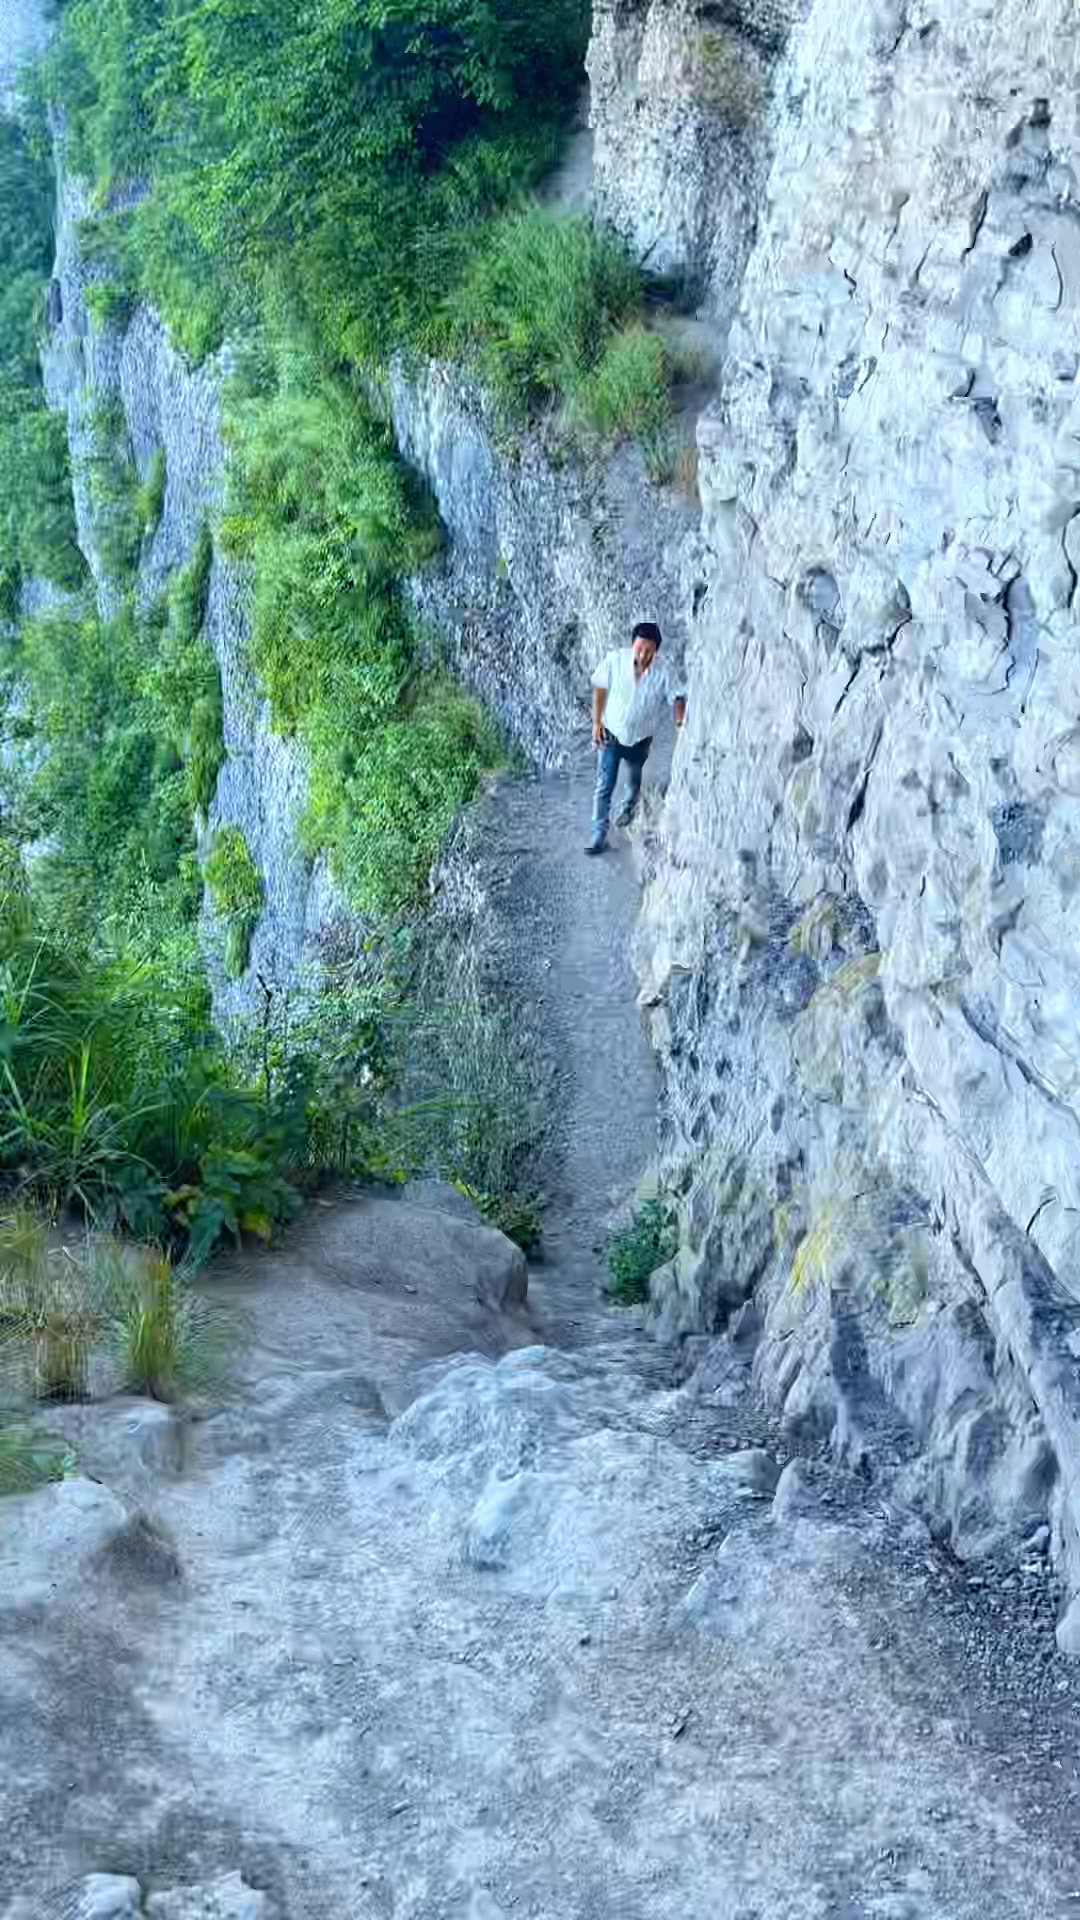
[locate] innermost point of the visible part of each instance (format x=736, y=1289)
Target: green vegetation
x=152, y=494
x=94, y=1318
x=329, y=519
x=479, y=1095
x=108, y=304
x=349, y=151
x=114, y=492
x=29, y=1460
x=637, y=1250
x=117, y=1101
x=551, y=309
x=102, y=792
x=627, y=396
x=236, y=889
x=165, y=1339
x=37, y=526
x=182, y=679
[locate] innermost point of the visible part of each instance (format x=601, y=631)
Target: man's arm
x=599, y=702
x=601, y=680
x=680, y=709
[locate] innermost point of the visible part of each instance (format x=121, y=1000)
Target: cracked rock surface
x=861, y=940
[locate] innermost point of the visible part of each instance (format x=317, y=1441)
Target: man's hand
x=598, y=733
x=680, y=712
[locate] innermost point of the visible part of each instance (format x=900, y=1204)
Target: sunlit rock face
x=860, y=940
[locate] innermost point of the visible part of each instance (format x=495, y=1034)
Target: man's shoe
x=596, y=846
x=626, y=817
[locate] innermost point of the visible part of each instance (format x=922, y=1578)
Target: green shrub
x=627, y=394
x=117, y=1102
x=551, y=314
x=236, y=890
x=100, y=782
x=385, y=813
x=539, y=305
x=635, y=1252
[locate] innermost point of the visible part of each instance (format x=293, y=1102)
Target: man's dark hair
x=648, y=630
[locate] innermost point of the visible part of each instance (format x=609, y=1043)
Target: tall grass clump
x=477, y=1088
x=551, y=314
x=627, y=394
x=167, y=1341
x=49, y=1314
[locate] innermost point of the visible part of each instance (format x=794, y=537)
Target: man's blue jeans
x=608, y=760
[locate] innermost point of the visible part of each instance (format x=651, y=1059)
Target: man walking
x=630, y=693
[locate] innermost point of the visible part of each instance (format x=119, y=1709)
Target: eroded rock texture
x=550, y=559
x=681, y=93
x=861, y=938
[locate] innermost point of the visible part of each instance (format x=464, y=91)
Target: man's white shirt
x=634, y=709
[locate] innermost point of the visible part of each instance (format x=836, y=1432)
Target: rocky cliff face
x=549, y=559
x=682, y=125
x=167, y=408
x=860, y=942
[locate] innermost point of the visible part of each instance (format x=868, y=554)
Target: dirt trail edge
x=532, y=1633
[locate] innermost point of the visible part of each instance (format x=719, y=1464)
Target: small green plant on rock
x=184, y=681
x=110, y=304
x=236, y=890
x=113, y=489
x=634, y=1252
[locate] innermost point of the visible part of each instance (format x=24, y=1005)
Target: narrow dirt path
x=561, y=931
